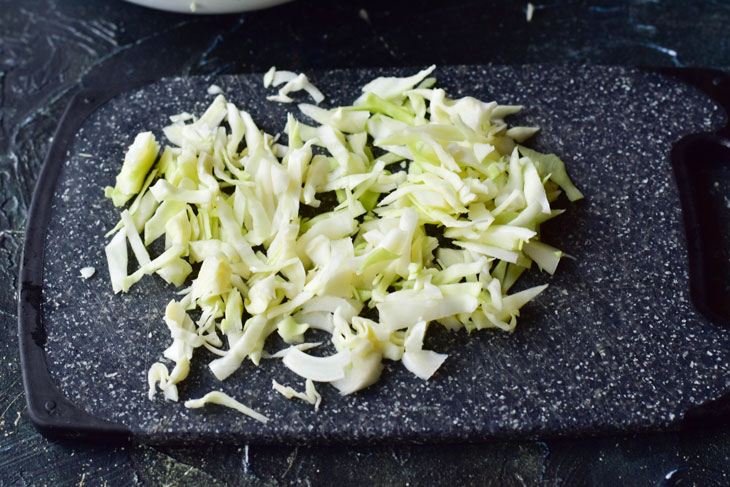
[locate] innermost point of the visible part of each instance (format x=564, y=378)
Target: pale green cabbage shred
x=229, y=197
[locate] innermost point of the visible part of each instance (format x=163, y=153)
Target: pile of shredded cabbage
x=380, y=218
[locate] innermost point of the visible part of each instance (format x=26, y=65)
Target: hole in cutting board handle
x=701, y=165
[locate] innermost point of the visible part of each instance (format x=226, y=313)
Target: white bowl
x=208, y=6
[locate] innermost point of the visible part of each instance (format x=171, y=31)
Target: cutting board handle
x=702, y=169
x=701, y=164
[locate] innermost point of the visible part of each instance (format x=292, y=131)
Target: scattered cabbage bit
x=292, y=82
x=87, y=272
x=310, y=394
x=223, y=399
x=404, y=209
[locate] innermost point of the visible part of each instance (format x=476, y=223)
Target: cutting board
x=628, y=336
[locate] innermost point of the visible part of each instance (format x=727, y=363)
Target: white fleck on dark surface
x=612, y=345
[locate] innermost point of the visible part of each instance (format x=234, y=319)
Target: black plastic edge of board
x=49, y=410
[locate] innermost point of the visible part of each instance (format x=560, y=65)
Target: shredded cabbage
x=140, y=157
x=217, y=397
x=309, y=395
x=230, y=202
x=292, y=82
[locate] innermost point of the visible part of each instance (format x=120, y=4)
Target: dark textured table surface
x=49, y=48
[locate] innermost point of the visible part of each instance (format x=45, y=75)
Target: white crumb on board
x=87, y=272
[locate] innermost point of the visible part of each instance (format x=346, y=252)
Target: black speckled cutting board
x=615, y=344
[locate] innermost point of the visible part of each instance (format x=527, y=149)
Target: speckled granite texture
x=612, y=345
x=50, y=47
